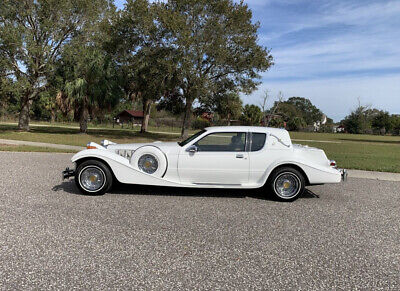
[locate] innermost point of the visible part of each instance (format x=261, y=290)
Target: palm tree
x=91, y=84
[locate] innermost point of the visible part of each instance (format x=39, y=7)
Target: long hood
x=166, y=147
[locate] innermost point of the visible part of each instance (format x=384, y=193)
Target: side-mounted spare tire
x=150, y=160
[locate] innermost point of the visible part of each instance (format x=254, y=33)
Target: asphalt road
x=51, y=237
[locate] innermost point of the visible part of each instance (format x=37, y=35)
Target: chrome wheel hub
x=287, y=185
x=148, y=164
x=92, y=178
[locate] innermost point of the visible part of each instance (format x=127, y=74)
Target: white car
x=216, y=157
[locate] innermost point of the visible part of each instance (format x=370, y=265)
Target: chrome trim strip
x=217, y=184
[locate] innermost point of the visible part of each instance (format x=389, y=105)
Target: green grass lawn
x=71, y=136
x=357, y=151
x=24, y=148
x=75, y=125
x=362, y=156
x=364, y=152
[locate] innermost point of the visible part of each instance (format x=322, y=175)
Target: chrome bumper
x=68, y=173
x=344, y=174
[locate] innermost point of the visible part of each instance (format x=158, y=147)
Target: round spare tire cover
x=156, y=153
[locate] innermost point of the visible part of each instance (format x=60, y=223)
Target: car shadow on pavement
x=127, y=189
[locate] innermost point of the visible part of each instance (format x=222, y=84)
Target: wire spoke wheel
x=287, y=185
x=148, y=164
x=92, y=178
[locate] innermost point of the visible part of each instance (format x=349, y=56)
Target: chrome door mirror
x=192, y=149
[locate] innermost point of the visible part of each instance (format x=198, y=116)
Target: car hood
x=166, y=147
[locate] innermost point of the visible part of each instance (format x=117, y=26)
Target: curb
x=373, y=175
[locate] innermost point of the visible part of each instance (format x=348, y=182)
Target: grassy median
x=364, y=152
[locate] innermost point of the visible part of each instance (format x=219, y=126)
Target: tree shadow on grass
x=127, y=189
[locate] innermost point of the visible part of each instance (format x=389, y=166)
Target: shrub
x=200, y=123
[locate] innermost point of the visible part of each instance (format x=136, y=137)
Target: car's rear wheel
x=286, y=184
x=93, y=177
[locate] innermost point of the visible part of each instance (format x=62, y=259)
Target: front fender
x=122, y=169
x=99, y=153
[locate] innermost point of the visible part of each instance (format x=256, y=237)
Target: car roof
x=246, y=128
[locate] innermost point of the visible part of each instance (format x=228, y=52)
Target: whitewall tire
x=286, y=184
x=93, y=177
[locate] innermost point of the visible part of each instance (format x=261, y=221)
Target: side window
x=222, y=142
x=258, y=141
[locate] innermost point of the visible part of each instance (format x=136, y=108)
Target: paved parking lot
x=165, y=238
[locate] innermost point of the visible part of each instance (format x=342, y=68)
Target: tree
x=229, y=106
x=395, y=119
x=215, y=39
x=275, y=107
x=140, y=47
x=91, y=79
x=251, y=115
x=306, y=109
x=357, y=121
x=32, y=36
x=223, y=101
x=296, y=123
x=154, y=76
x=382, y=122
x=263, y=104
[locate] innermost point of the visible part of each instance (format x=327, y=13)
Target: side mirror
x=192, y=149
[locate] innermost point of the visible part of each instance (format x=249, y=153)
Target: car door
x=259, y=157
x=217, y=158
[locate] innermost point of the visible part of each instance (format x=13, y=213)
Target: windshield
x=189, y=139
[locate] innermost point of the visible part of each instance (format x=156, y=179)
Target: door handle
x=239, y=156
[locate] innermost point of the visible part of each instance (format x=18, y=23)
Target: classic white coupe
x=216, y=157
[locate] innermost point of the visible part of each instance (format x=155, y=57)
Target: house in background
x=339, y=129
x=129, y=116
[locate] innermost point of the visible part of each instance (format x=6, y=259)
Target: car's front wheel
x=286, y=184
x=93, y=177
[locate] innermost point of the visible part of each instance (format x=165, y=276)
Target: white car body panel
x=244, y=169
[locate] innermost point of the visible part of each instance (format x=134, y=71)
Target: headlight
x=148, y=164
x=106, y=142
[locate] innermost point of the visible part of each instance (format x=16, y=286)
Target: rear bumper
x=67, y=173
x=344, y=174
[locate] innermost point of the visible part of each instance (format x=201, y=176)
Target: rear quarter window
x=257, y=141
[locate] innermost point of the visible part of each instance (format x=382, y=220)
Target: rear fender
x=315, y=173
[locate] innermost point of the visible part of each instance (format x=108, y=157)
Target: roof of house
x=133, y=113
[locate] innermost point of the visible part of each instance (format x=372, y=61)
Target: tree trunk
x=83, y=119
x=24, y=115
x=53, y=115
x=229, y=119
x=187, y=118
x=146, y=114
x=24, y=118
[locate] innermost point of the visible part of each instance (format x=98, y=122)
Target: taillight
x=332, y=163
